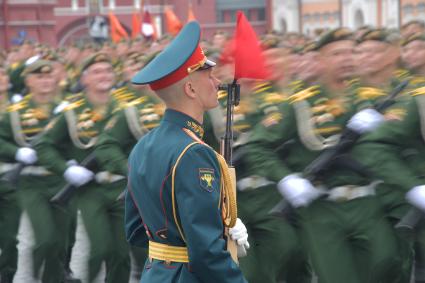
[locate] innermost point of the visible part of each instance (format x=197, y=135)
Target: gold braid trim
x=71, y=121
x=229, y=210
x=134, y=126
x=173, y=200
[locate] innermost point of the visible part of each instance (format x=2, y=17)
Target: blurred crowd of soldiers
x=61, y=106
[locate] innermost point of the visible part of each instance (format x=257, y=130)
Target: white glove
x=298, y=191
x=365, y=120
x=26, y=155
x=78, y=175
x=239, y=234
x=416, y=197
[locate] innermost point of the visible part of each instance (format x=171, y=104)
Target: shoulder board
x=401, y=73
x=353, y=82
x=74, y=105
x=365, y=93
x=418, y=91
x=136, y=101
x=261, y=87
x=275, y=98
x=72, y=97
x=304, y=94
x=417, y=81
x=296, y=85
x=17, y=106
x=221, y=94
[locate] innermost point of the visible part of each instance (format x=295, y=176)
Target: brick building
x=59, y=22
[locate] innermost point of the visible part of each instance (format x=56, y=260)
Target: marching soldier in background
x=22, y=126
x=335, y=223
x=378, y=55
x=134, y=120
x=9, y=207
x=72, y=136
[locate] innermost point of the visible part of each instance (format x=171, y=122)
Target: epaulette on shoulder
x=72, y=97
x=123, y=94
x=304, y=94
x=74, y=105
x=221, y=94
x=135, y=102
x=275, y=98
x=402, y=74
x=17, y=106
x=418, y=91
x=353, y=82
x=261, y=87
x=296, y=85
x=366, y=93
x=417, y=81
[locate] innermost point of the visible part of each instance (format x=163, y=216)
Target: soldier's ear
x=188, y=89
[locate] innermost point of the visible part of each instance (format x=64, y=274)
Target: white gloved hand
x=78, y=175
x=416, y=197
x=365, y=120
x=298, y=191
x=239, y=234
x=26, y=155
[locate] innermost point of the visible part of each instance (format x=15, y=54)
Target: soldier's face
x=41, y=84
x=4, y=81
x=205, y=85
x=99, y=77
x=337, y=60
x=373, y=57
x=413, y=55
x=310, y=68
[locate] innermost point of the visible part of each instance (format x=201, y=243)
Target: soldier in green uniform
x=71, y=136
x=9, y=208
x=176, y=183
x=23, y=124
x=134, y=120
x=413, y=56
x=398, y=159
x=341, y=222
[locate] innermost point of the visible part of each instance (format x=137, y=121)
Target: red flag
x=249, y=61
x=135, y=25
x=173, y=23
x=117, y=31
x=148, y=28
x=190, y=14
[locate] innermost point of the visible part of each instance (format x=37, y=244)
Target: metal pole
x=341, y=15
x=300, y=15
x=6, y=24
x=400, y=14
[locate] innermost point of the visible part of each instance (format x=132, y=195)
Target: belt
x=168, y=253
x=105, y=177
x=6, y=167
x=252, y=183
x=350, y=192
x=35, y=171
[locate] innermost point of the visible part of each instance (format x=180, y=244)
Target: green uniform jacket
x=123, y=131
x=71, y=135
x=149, y=205
x=288, y=140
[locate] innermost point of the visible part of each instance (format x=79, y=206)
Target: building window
x=316, y=17
x=408, y=9
x=421, y=7
x=307, y=17
x=261, y=15
x=95, y=6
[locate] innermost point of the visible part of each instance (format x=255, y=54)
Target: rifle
x=11, y=177
x=121, y=197
x=233, y=98
x=62, y=197
x=334, y=155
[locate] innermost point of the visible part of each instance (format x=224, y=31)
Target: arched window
x=358, y=19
